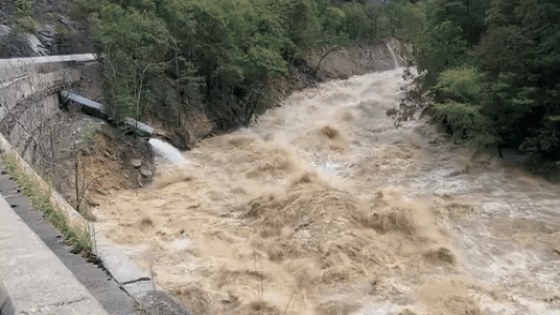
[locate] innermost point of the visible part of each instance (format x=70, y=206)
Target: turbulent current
x=167, y=152
x=322, y=206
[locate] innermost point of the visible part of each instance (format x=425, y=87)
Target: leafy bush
x=467, y=124
x=27, y=24
x=459, y=93
x=459, y=84
x=24, y=7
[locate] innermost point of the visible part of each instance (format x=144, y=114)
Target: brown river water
x=322, y=206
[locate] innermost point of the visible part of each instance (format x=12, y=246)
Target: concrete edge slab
x=118, y=263
x=35, y=279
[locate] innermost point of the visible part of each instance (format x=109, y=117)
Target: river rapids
x=322, y=206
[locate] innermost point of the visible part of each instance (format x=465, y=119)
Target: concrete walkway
x=35, y=279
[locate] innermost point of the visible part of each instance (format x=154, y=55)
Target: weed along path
x=93, y=278
x=323, y=207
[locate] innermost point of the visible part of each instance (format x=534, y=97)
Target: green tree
x=520, y=54
x=459, y=95
x=334, y=20
x=513, y=68
x=133, y=42
x=440, y=47
x=163, y=56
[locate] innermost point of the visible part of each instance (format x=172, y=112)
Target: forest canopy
x=491, y=66
x=493, y=69
x=163, y=56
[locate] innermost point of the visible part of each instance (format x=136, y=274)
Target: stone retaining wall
x=29, y=99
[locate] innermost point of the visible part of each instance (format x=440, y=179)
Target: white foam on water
x=166, y=151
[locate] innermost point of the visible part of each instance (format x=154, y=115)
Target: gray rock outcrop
x=4, y=31
x=47, y=36
x=35, y=45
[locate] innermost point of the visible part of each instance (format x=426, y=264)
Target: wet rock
x=146, y=172
x=135, y=162
x=180, y=140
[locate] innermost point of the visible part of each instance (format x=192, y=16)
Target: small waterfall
x=394, y=57
x=167, y=151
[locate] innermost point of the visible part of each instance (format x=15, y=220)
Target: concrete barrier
x=29, y=98
x=49, y=59
x=74, y=218
x=14, y=68
x=6, y=304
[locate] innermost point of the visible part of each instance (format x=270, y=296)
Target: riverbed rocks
x=135, y=162
x=345, y=61
x=146, y=172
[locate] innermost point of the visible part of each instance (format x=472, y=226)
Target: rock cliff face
x=15, y=43
x=343, y=62
x=48, y=30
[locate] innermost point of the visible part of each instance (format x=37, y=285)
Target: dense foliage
x=164, y=56
x=493, y=67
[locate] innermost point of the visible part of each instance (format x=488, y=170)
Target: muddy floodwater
x=322, y=206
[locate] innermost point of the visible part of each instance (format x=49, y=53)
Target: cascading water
x=393, y=54
x=167, y=152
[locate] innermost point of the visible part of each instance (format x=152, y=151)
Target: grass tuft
x=79, y=238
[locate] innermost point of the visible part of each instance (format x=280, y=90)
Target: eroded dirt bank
x=323, y=207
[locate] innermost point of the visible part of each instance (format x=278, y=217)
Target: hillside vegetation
x=493, y=69
x=164, y=58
